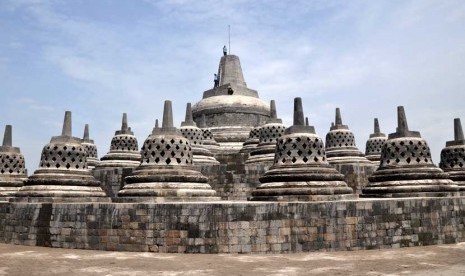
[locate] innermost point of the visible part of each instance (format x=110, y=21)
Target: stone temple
x=233, y=179
x=232, y=109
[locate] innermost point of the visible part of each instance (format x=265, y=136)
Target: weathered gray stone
x=189, y=129
x=453, y=156
x=236, y=227
x=300, y=171
x=63, y=174
x=208, y=140
x=406, y=168
x=124, y=149
x=231, y=109
x=374, y=144
x=12, y=166
x=269, y=134
x=340, y=144
x=91, y=148
x=165, y=172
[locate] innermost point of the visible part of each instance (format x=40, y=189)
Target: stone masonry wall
x=242, y=227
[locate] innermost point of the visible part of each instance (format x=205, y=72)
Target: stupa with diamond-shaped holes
x=63, y=175
x=301, y=171
x=166, y=170
x=406, y=168
x=12, y=166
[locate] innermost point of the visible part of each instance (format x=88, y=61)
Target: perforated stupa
x=124, y=149
x=301, y=170
x=269, y=134
x=231, y=109
x=209, y=141
x=252, y=142
x=62, y=174
x=165, y=172
x=189, y=129
x=340, y=144
x=453, y=156
x=12, y=166
x=91, y=148
x=374, y=144
x=406, y=168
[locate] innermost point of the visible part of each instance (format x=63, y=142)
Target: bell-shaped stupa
x=124, y=150
x=406, y=168
x=231, y=109
x=301, y=171
x=12, y=166
x=252, y=142
x=453, y=156
x=374, y=144
x=166, y=170
x=340, y=144
x=63, y=175
x=189, y=130
x=269, y=134
x=91, y=148
x=208, y=140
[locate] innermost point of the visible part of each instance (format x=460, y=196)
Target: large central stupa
x=231, y=109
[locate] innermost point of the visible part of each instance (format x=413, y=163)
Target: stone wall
x=111, y=179
x=241, y=227
x=356, y=174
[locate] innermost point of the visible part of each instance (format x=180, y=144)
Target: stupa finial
x=402, y=125
x=299, y=124
x=86, y=132
x=156, y=123
x=124, y=124
x=458, y=132
x=402, y=129
x=298, y=112
x=273, y=114
x=189, y=120
x=7, y=137
x=167, y=115
x=338, y=117
x=377, y=130
x=67, y=130
x=337, y=124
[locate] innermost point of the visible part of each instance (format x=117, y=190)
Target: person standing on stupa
x=225, y=50
x=216, y=80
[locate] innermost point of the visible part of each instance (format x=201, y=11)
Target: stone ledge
x=236, y=227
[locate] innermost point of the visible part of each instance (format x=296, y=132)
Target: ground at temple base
x=426, y=260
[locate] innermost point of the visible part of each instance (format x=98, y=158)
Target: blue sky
x=102, y=58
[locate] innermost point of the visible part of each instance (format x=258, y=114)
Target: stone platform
x=236, y=227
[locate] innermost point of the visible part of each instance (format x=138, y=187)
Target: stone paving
x=428, y=260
